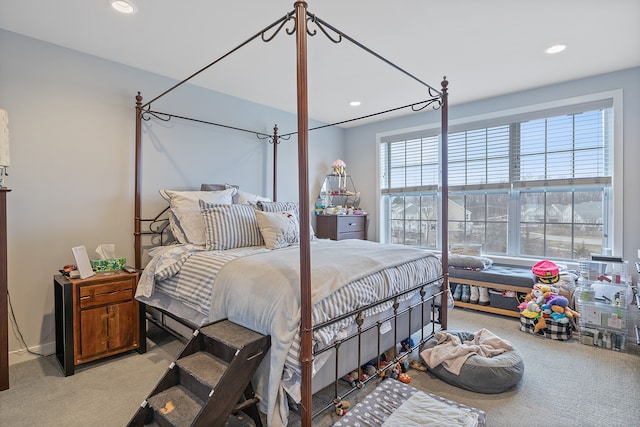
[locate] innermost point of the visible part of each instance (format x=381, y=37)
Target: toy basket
x=554, y=330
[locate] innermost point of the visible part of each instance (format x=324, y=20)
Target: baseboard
x=22, y=355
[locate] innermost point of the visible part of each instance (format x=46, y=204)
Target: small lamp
x=5, y=159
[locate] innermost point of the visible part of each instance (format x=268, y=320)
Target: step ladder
x=210, y=379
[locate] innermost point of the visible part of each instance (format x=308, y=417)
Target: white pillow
x=174, y=226
x=230, y=226
x=189, y=199
x=244, y=198
x=185, y=217
x=279, y=229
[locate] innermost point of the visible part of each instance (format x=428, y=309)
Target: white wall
x=71, y=119
x=361, y=141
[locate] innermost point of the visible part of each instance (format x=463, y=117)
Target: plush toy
x=545, y=310
x=560, y=301
x=351, y=378
x=342, y=407
x=532, y=311
x=405, y=378
x=560, y=306
x=414, y=364
x=537, y=296
x=369, y=370
x=394, y=371
x=571, y=313
x=542, y=324
x=523, y=306
x=407, y=344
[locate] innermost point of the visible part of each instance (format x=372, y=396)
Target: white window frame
x=618, y=155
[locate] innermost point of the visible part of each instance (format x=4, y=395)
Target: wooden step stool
x=210, y=379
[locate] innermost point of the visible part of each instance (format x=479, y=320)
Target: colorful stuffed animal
x=532, y=311
x=537, y=296
x=542, y=324
x=560, y=306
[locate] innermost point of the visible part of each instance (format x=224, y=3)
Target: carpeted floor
x=565, y=383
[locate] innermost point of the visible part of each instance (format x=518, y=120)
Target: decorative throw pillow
x=285, y=206
x=279, y=229
x=216, y=187
x=219, y=187
x=278, y=206
x=185, y=218
x=469, y=262
x=230, y=226
x=244, y=198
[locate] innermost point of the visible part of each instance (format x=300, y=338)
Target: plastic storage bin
x=604, y=296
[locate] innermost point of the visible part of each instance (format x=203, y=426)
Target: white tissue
x=106, y=250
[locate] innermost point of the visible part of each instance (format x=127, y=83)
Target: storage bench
x=498, y=276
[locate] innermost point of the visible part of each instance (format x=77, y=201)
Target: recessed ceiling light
x=354, y=103
x=124, y=6
x=556, y=48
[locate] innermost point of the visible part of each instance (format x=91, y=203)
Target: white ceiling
x=485, y=48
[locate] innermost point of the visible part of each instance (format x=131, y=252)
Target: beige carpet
x=564, y=383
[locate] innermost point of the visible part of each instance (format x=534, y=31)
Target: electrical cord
x=17, y=330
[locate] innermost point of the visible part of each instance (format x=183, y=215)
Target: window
x=536, y=184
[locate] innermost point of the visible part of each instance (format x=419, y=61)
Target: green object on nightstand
x=110, y=264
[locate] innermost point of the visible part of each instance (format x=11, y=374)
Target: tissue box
x=109, y=264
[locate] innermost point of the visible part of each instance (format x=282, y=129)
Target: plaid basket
x=554, y=330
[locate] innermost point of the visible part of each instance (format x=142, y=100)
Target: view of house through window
x=537, y=185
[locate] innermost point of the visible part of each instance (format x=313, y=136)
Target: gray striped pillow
x=278, y=206
x=230, y=226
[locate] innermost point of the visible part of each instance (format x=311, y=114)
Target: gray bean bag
x=482, y=374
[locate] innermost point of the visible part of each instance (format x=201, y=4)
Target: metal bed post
x=136, y=215
x=444, y=130
x=306, y=356
x=276, y=141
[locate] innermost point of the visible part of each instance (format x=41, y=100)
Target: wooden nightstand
x=340, y=227
x=97, y=317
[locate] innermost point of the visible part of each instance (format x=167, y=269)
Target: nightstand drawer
x=107, y=293
x=350, y=224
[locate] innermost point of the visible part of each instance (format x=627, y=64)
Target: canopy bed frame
x=301, y=18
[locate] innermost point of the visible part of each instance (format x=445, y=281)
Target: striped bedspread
x=259, y=289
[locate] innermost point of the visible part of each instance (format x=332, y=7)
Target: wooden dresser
x=340, y=227
x=97, y=317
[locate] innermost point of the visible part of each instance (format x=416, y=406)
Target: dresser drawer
x=340, y=227
x=350, y=224
x=106, y=293
x=351, y=235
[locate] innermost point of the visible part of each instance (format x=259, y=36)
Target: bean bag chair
x=480, y=374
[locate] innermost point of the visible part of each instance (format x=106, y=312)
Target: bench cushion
x=497, y=273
